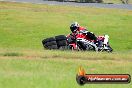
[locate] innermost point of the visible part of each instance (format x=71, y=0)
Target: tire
x=60, y=37
x=64, y=48
x=48, y=40
x=61, y=43
x=81, y=45
x=53, y=47
x=110, y=50
x=61, y=40
x=50, y=43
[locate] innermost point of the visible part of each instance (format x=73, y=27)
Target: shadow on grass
x=12, y=54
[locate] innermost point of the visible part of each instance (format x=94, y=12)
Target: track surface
x=98, y=5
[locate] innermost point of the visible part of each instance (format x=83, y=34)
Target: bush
x=90, y=1
x=12, y=54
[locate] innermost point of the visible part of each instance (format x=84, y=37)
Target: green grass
x=26, y=25
x=58, y=69
x=24, y=63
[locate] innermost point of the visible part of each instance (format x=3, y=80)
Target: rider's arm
x=83, y=31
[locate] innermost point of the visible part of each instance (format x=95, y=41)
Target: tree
x=99, y=1
x=90, y=1
x=125, y=1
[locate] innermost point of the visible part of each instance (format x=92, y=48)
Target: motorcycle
x=82, y=43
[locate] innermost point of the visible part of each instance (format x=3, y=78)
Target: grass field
x=116, y=1
x=24, y=63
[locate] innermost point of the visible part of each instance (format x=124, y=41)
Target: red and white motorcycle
x=82, y=43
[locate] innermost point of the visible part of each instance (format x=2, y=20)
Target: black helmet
x=74, y=26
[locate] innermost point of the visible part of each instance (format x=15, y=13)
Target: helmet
x=74, y=26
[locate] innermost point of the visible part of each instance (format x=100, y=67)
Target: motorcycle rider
x=76, y=28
